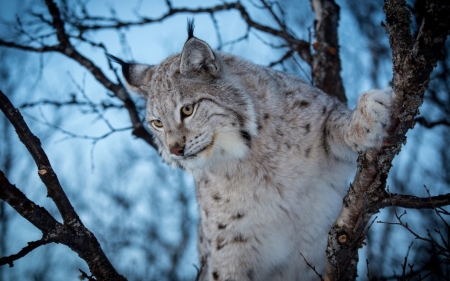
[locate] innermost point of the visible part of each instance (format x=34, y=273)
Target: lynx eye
x=187, y=110
x=157, y=123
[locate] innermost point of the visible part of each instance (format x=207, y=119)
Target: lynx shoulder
x=270, y=154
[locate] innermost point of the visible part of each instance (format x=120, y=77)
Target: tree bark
x=413, y=62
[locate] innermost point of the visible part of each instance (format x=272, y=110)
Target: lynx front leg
x=369, y=120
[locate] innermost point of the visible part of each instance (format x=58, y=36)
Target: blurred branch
x=42, y=49
x=441, y=244
x=300, y=46
x=114, y=23
x=78, y=25
x=326, y=63
x=94, y=139
x=72, y=101
x=118, y=89
x=368, y=22
x=427, y=124
x=65, y=47
x=72, y=232
x=287, y=55
x=413, y=60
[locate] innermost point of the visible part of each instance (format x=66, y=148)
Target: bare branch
x=35, y=214
x=45, y=169
x=300, y=46
x=77, y=238
x=368, y=270
x=279, y=20
x=413, y=202
x=312, y=267
x=287, y=55
x=72, y=233
x=427, y=124
x=27, y=249
x=57, y=23
x=42, y=49
x=443, y=247
x=114, y=23
x=69, y=134
x=85, y=276
x=92, y=23
x=216, y=27
x=66, y=48
x=72, y=102
x=413, y=61
x=326, y=63
x=117, y=89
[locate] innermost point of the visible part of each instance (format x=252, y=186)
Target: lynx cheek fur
x=271, y=156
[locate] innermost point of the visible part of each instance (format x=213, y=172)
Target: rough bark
x=413, y=61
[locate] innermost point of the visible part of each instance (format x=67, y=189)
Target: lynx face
x=196, y=122
x=196, y=110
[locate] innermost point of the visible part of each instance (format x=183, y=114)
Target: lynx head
x=197, y=110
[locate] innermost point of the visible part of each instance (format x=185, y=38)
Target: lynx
x=271, y=156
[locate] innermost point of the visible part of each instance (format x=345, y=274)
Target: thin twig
x=312, y=267
x=27, y=249
x=430, y=124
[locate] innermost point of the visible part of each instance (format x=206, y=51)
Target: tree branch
x=27, y=249
x=326, y=63
x=65, y=47
x=42, y=49
x=300, y=46
x=72, y=233
x=57, y=23
x=413, y=61
x=427, y=124
x=35, y=214
x=442, y=246
x=118, y=89
x=413, y=202
x=45, y=170
x=118, y=24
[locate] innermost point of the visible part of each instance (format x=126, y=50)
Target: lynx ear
x=197, y=56
x=136, y=75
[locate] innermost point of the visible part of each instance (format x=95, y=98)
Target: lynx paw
x=369, y=120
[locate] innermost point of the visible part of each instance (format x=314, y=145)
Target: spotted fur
x=270, y=154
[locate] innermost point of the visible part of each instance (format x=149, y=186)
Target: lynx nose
x=177, y=150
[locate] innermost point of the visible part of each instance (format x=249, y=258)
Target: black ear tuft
x=115, y=59
x=125, y=66
x=136, y=75
x=190, y=28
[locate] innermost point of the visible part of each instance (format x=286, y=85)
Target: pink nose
x=177, y=150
